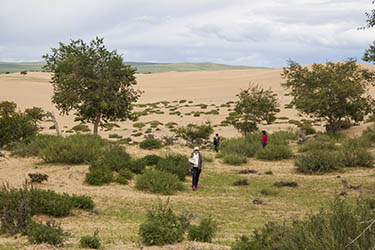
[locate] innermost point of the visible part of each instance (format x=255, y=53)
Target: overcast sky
x=239, y=32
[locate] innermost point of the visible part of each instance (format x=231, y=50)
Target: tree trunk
x=52, y=115
x=96, y=124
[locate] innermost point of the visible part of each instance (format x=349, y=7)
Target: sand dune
x=209, y=87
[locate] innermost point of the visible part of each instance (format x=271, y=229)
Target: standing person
x=196, y=166
x=264, y=139
x=217, y=140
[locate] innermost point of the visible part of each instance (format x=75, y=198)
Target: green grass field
x=142, y=68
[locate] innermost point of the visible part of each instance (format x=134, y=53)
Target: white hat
x=196, y=148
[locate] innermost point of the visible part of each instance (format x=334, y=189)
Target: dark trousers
x=196, y=172
x=216, y=147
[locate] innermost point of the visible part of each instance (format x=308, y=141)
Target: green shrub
x=157, y=181
x=126, y=173
x=176, y=164
x=319, y=143
x=74, y=149
x=83, y=202
x=121, y=180
x=282, y=137
x=137, y=165
x=31, y=146
x=50, y=233
x=245, y=146
x=343, y=225
x=114, y=136
x=81, y=128
x=16, y=126
x=139, y=125
x=204, y=232
x=285, y=184
x=195, y=133
x=99, y=174
x=163, y=226
x=274, y=152
x=208, y=158
x=150, y=143
x=89, y=241
x=308, y=129
x=241, y=182
x=319, y=161
x=151, y=160
x=234, y=159
x=268, y=172
x=115, y=158
x=356, y=154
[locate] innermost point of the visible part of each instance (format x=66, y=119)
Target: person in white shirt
x=196, y=166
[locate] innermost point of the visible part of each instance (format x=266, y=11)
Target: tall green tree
x=92, y=81
x=332, y=92
x=253, y=106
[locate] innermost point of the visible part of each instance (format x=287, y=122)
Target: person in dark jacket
x=217, y=141
x=264, y=139
x=196, y=166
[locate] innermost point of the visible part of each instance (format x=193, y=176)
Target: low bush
x=204, y=232
x=83, y=202
x=31, y=146
x=356, y=154
x=208, y=158
x=150, y=143
x=74, y=149
x=15, y=125
x=274, y=152
x=38, y=177
x=343, y=225
x=115, y=158
x=245, y=146
x=322, y=142
x=89, y=241
x=268, y=172
x=163, y=226
x=234, y=159
x=126, y=173
x=99, y=174
x=81, y=128
x=139, y=125
x=241, y=182
x=195, y=134
x=137, y=166
x=151, y=160
x=121, y=180
x=319, y=162
x=50, y=233
x=285, y=184
x=176, y=164
x=282, y=137
x=159, y=182
x=248, y=171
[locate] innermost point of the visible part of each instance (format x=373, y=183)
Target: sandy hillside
x=213, y=88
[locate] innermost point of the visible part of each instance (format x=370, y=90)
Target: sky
x=238, y=32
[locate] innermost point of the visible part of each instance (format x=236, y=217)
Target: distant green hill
x=20, y=66
x=142, y=67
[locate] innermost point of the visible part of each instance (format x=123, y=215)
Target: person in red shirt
x=264, y=139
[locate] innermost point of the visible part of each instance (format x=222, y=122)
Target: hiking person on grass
x=217, y=140
x=264, y=139
x=196, y=166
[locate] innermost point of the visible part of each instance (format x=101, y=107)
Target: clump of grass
x=319, y=162
x=241, y=182
x=139, y=125
x=268, y=172
x=150, y=144
x=285, y=184
x=81, y=128
x=234, y=159
x=248, y=171
x=159, y=182
x=205, y=231
x=269, y=192
x=114, y=136
x=274, y=152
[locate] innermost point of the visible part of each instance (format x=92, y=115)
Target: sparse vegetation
x=159, y=182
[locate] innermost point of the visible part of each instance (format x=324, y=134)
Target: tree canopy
x=92, y=81
x=254, y=105
x=332, y=92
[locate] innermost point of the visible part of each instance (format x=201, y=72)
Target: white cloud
x=252, y=32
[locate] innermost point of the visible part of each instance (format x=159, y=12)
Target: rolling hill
x=142, y=67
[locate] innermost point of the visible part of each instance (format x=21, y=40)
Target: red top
x=264, y=140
